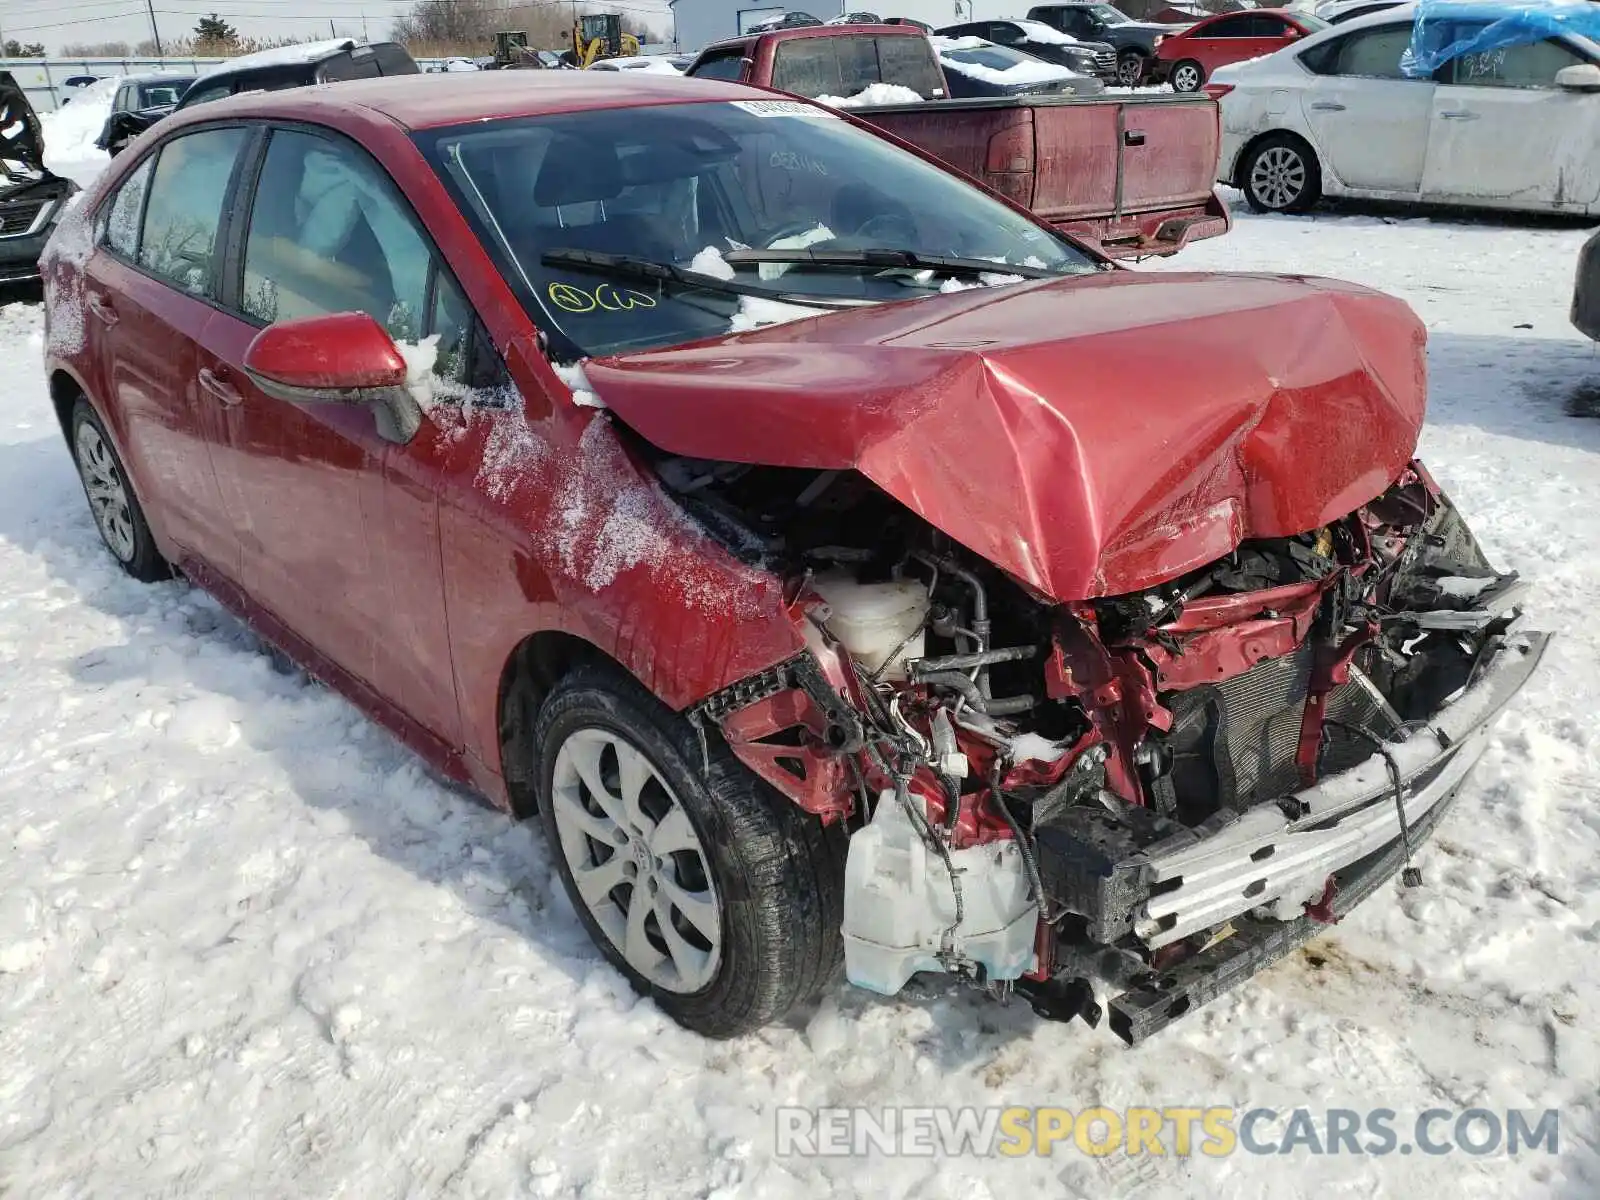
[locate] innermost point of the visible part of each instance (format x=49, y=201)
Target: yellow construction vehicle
x=598, y=36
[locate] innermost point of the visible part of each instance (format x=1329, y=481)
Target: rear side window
x=724, y=64
x=127, y=212
x=1371, y=54
x=215, y=91
x=184, y=208
x=1228, y=27
x=346, y=66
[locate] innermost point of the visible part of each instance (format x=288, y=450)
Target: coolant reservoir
x=898, y=905
x=872, y=620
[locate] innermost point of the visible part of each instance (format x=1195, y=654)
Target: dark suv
x=300, y=66
x=1135, y=41
x=31, y=197
x=140, y=102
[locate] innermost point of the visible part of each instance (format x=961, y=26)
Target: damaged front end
x=1150, y=795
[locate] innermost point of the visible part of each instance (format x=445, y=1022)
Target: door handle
x=1459, y=115
x=1328, y=106
x=219, y=387
x=1133, y=137
x=99, y=306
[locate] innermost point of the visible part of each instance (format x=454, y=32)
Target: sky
x=81, y=21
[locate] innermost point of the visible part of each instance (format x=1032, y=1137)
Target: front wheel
x=115, y=508
x=1130, y=68
x=1187, y=76
x=1281, y=174
x=709, y=891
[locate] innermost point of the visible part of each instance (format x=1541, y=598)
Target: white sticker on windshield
x=783, y=108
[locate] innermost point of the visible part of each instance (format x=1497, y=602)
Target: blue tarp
x=1447, y=29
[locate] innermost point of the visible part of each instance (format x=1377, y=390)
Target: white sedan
x=1332, y=115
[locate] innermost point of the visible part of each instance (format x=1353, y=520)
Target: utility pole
x=364, y=35
x=155, y=33
x=331, y=33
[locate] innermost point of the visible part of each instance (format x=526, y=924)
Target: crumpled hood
x=1091, y=436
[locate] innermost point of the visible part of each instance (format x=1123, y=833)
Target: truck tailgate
x=1068, y=158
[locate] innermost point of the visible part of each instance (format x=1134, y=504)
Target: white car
x=1332, y=115
x=656, y=65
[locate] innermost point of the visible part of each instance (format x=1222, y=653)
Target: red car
x=836, y=561
x=1187, y=59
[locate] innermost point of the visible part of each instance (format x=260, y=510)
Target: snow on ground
x=249, y=947
x=70, y=132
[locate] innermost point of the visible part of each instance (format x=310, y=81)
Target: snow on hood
x=874, y=94
x=1038, y=31
x=1024, y=71
x=1092, y=436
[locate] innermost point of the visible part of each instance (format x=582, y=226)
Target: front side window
x=184, y=208
x=328, y=234
x=126, y=212
x=1527, y=66
x=680, y=185
x=215, y=91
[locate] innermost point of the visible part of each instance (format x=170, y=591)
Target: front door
x=1369, y=121
x=338, y=532
x=150, y=290
x=1504, y=135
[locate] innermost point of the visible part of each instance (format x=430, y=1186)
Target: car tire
x=112, y=503
x=1281, y=174
x=743, y=892
x=1130, y=68
x=1187, y=76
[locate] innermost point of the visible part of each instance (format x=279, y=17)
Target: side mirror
x=1582, y=78
x=345, y=358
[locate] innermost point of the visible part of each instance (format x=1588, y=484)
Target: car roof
x=824, y=31
x=441, y=99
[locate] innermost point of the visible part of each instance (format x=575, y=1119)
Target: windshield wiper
x=625, y=266
x=886, y=260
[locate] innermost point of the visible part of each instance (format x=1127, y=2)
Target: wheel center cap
x=642, y=857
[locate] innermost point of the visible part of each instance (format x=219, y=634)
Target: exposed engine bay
x=1158, y=792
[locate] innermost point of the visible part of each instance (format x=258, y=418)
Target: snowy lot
x=248, y=947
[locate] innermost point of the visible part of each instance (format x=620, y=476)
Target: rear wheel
x=1281, y=174
x=115, y=508
x=1130, y=68
x=1187, y=76
x=709, y=891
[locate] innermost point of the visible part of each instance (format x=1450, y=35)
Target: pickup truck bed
x=1132, y=174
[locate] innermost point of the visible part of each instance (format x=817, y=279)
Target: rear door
x=149, y=294
x=1225, y=40
x=339, y=527
x=1503, y=135
x=1369, y=121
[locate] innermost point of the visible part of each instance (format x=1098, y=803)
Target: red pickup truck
x=1130, y=174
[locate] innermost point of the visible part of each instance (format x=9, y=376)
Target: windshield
x=1111, y=16
x=680, y=185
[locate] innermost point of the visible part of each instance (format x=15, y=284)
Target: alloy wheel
x=638, y=865
x=1185, y=78
x=1130, y=69
x=1278, y=176
x=108, y=494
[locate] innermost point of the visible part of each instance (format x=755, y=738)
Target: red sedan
x=1187, y=59
x=836, y=562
